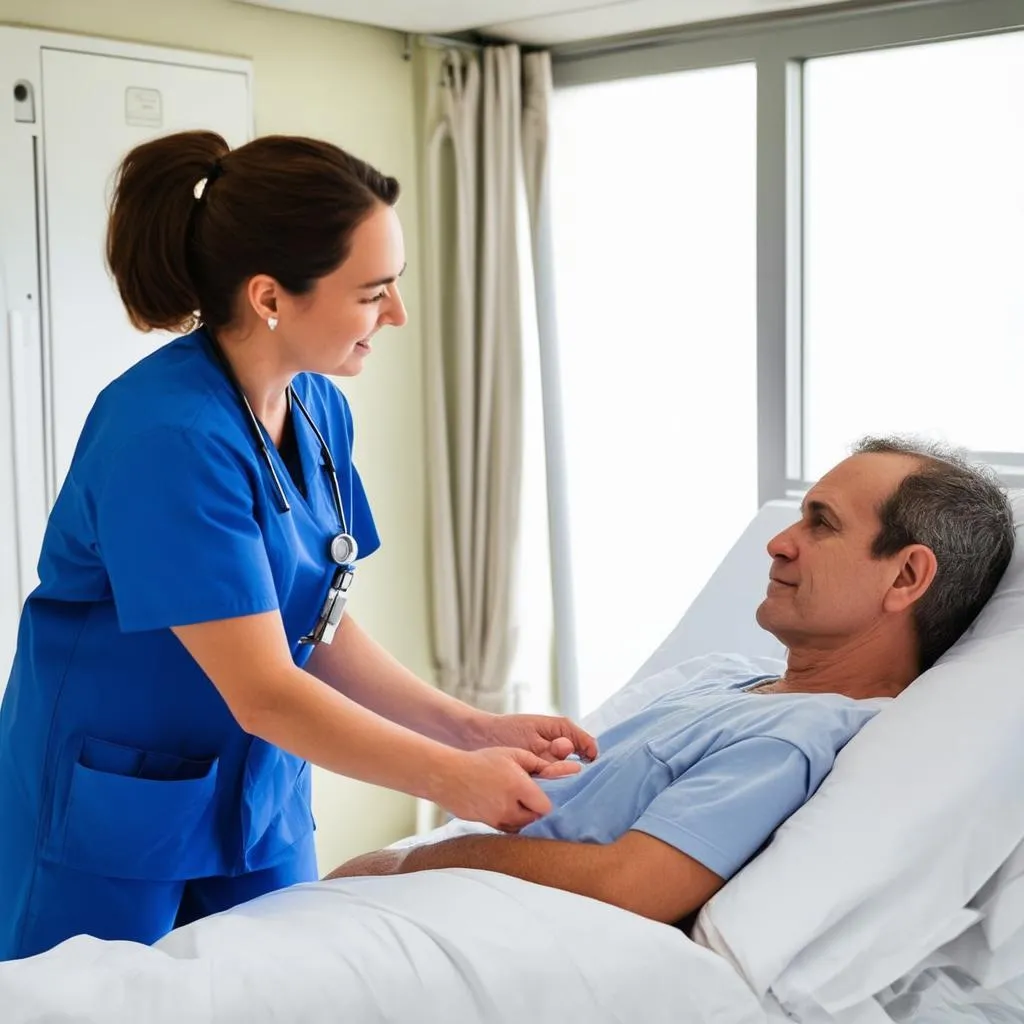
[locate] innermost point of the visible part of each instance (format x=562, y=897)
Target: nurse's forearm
x=249, y=662
x=315, y=722
x=357, y=666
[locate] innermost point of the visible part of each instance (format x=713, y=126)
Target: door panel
x=23, y=498
x=96, y=108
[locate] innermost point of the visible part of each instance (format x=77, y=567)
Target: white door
x=23, y=490
x=95, y=109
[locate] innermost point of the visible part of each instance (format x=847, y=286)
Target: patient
x=896, y=551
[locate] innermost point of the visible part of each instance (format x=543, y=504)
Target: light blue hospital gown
x=708, y=768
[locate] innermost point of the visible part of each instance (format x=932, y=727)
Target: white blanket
x=451, y=946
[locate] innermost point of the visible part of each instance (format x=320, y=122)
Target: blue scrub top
x=113, y=742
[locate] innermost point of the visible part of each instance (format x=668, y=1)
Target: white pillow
x=721, y=617
x=1001, y=901
x=921, y=809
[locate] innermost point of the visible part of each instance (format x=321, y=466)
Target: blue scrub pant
x=64, y=902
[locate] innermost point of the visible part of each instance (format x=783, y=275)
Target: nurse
x=186, y=653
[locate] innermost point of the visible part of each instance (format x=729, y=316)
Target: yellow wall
x=350, y=85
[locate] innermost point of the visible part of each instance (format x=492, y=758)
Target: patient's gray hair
x=958, y=509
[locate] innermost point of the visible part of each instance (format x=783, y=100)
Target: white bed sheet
x=941, y=993
x=452, y=946
x=462, y=946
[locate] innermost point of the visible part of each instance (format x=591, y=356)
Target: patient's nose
x=783, y=545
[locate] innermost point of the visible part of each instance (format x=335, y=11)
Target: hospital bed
x=812, y=932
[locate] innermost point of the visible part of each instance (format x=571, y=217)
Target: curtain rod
x=472, y=42
x=436, y=42
x=449, y=43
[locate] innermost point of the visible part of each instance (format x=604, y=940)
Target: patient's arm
x=637, y=872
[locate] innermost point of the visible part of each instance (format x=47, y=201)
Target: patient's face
x=826, y=589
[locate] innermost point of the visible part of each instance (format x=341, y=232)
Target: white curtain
x=487, y=125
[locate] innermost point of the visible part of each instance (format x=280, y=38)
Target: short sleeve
x=363, y=527
x=721, y=811
x=177, y=533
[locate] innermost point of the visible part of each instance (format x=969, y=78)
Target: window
x=914, y=246
x=872, y=161
x=654, y=232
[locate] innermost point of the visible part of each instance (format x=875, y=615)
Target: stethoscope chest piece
x=344, y=549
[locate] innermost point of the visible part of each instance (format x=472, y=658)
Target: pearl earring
x=272, y=322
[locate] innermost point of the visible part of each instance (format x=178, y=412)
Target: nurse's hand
x=552, y=739
x=494, y=786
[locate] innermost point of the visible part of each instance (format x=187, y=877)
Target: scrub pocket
x=136, y=814
x=275, y=805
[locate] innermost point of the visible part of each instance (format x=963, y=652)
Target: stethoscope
x=342, y=549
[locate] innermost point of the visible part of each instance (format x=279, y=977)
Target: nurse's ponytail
x=192, y=220
x=151, y=219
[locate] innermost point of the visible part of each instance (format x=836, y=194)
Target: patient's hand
x=380, y=862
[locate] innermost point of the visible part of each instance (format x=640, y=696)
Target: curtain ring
x=451, y=66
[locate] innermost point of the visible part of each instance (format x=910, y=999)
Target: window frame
x=779, y=46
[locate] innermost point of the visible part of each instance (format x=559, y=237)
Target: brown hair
x=280, y=205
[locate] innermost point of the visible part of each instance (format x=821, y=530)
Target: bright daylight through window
x=914, y=246
x=654, y=222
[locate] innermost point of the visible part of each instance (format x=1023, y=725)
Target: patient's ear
x=917, y=567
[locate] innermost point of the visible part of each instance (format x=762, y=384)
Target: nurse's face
x=329, y=330
x=826, y=588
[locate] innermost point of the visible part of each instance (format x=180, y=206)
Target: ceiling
x=537, y=22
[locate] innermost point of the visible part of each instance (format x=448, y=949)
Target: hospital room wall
x=348, y=84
